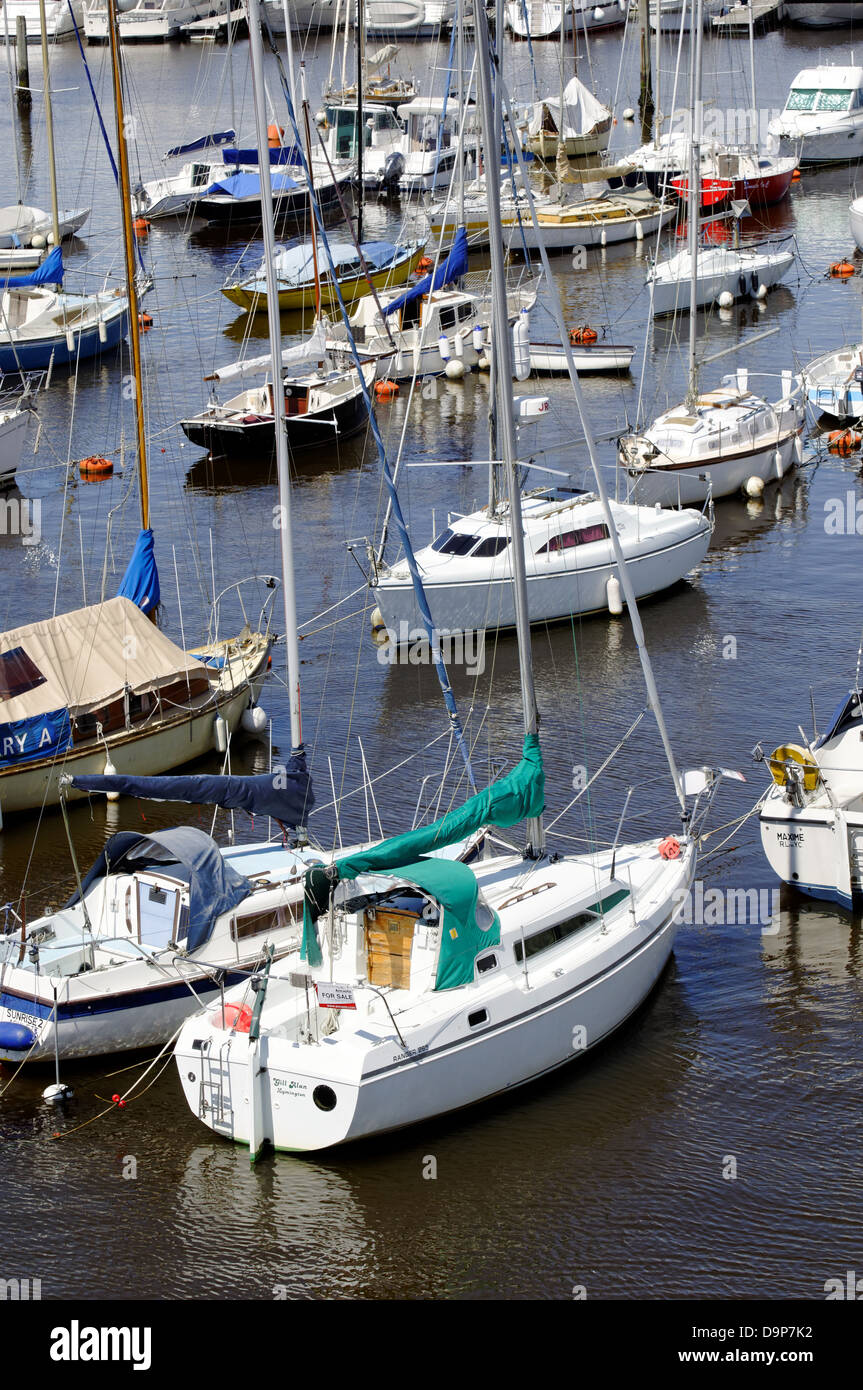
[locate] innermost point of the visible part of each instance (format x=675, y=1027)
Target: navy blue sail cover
x=285, y=793
x=49, y=272
x=449, y=270
x=219, y=137
x=140, y=583
x=39, y=736
x=281, y=154
x=214, y=886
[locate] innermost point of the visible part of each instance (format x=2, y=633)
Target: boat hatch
x=162, y=908
x=389, y=938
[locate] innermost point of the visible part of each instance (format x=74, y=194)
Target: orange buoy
x=585, y=334
x=842, y=269
x=844, y=441
x=146, y=322
x=669, y=848
x=274, y=136
x=95, y=467
x=384, y=389
x=795, y=177
x=425, y=263
x=141, y=227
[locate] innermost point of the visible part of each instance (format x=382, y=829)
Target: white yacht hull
x=672, y=295
x=564, y=235
x=58, y=19
x=813, y=848
x=691, y=483
x=535, y=1025
x=489, y=604
x=13, y=432
x=855, y=217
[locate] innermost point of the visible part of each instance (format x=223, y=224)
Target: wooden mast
x=129, y=253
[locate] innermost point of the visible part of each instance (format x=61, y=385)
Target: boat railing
x=264, y=619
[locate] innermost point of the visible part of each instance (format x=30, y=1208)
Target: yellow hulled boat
x=388, y=265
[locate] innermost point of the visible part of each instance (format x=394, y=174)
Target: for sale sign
x=332, y=996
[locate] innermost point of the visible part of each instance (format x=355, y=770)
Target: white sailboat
x=716, y=441
x=811, y=818
x=424, y=986
x=14, y=424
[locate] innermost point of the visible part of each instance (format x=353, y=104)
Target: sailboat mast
x=49, y=123
x=501, y=356
x=694, y=200
x=256, y=48
x=361, y=135
x=756, y=141
x=645, y=96
x=462, y=101
x=313, y=227
x=129, y=254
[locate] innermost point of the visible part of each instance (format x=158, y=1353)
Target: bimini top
x=214, y=886
x=86, y=658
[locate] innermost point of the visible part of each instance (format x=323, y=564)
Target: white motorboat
x=715, y=444
x=581, y=124
x=828, y=14
x=467, y=570
x=14, y=424
x=855, y=217
x=306, y=16
x=431, y=146
x=415, y=19
x=21, y=225
x=544, y=19
x=153, y=21
x=741, y=273
x=834, y=382
x=550, y=358
x=822, y=122
x=811, y=817
x=61, y=16
x=383, y=144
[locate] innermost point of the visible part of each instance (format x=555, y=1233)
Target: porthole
x=475, y=1019
x=324, y=1097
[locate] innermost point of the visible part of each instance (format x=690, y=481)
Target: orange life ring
x=669, y=848
x=95, y=467
x=384, y=389
x=585, y=334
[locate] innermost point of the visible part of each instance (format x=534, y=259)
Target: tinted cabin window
x=550, y=936
x=490, y=547
x=800, y=99
x=18, y=674
x=465, y=311
x=568, y=540
x=833, y=101
x=447, y=318
x=454, y=543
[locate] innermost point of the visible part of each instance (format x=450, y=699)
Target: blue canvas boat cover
x=248, y=185
x=296, y=263
x=49, y=272
x=214, y=886
x=140, y=583
x=219, y=137
x=282, y=154
x=285, y=793
x=449, y=270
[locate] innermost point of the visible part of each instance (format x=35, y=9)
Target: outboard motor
x=394, y=167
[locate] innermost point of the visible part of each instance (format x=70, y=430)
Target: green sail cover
x=517, y=797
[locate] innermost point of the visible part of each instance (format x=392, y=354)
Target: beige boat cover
x=89, y=657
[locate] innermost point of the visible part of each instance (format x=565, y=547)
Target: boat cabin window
x=490, y=547
x=465, y=311
x=550, y=936
x=18, y=674
x=447, y=318
x=345, y=125
x=569, y=539
x=272, y=919
x=200, y=175
x=801, y=99
x=159, y=913
x=486, y=963
x=475, y=1019
x=451, y=542
x=835, y=101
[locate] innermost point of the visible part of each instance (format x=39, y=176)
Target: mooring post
x=22, y=66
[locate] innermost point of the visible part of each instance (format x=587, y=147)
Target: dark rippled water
x=611, y=1175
